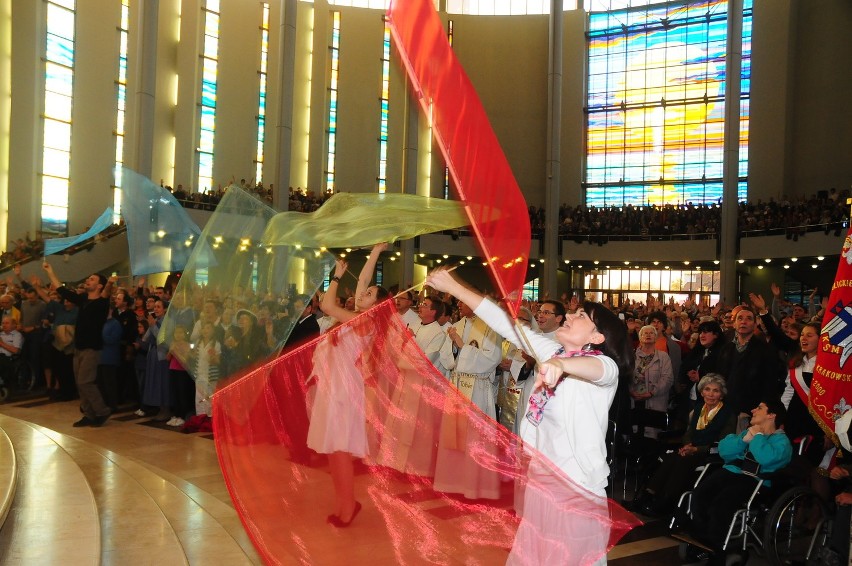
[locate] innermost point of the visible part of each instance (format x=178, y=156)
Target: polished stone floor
x=132, y=492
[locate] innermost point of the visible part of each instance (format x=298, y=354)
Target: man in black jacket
x=306, y=327
x=88, y=341
x=751, y=367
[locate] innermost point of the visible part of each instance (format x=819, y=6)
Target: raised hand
x=776, y=290
x=758, y=301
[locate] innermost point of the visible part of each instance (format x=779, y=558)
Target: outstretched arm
x=106, y=292
x=54, y=280
x=442, y=280
x=366, y=275
x=587, y=368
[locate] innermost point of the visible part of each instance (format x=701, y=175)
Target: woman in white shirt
x=566, y=422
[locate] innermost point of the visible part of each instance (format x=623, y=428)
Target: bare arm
x=329, y=305
x=106, y=292
x=442, y=280
x=587, y=368
x=54, y=280
x=366, y=275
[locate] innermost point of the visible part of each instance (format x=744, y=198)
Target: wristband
x=336, y=279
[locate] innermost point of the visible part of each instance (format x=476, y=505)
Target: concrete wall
x=801, y=134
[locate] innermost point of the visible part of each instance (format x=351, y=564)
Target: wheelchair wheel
x=25, y=376
x=793, y=525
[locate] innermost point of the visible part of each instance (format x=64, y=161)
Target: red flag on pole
x=483, y=179
x=832, y=381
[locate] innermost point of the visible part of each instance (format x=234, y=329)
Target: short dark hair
x=710, y=326
x=101, y=279
x=615, y=344
x=775, y=407
x=382, y=293
x=659, y=315
x=558, y=307
x=435, y=305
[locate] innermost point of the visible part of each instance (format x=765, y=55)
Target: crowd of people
x=299, y=200
x=825, y=210
x=734, y=374
x=24, y=249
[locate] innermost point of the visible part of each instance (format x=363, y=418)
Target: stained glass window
x=56, y=128
x=332, y=101
x=261, y=99
x=656, y=103
x=121, y=106
x=209, y=77
x=385, y=107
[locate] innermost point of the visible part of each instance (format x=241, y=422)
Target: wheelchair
x=15, y=375
x=784, y=523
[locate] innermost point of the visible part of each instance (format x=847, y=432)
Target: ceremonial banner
x=832, y=381
x=55, y=245
x=481, y=175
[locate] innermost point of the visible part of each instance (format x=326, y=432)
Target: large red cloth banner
x=482, y=176
x=832, y=382
x=366, y=388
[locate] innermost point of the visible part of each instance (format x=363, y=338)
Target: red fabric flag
x=366, y=388
x=482, y=176
x=832, y=381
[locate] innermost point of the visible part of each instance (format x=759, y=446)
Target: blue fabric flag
x=160, y=233
x=56, y=245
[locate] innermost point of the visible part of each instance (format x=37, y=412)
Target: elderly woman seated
x=709, y=421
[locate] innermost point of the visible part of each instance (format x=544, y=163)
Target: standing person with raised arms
x=93, y=303
x=338, y=416
x=566, y=421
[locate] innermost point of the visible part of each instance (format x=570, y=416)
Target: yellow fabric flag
x=362, y=219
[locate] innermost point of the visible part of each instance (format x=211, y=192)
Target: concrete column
x=5, y=114
x=146, y=86
x=730, y=166
x=547, y=282
x=409, y=180
x=286, y=81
